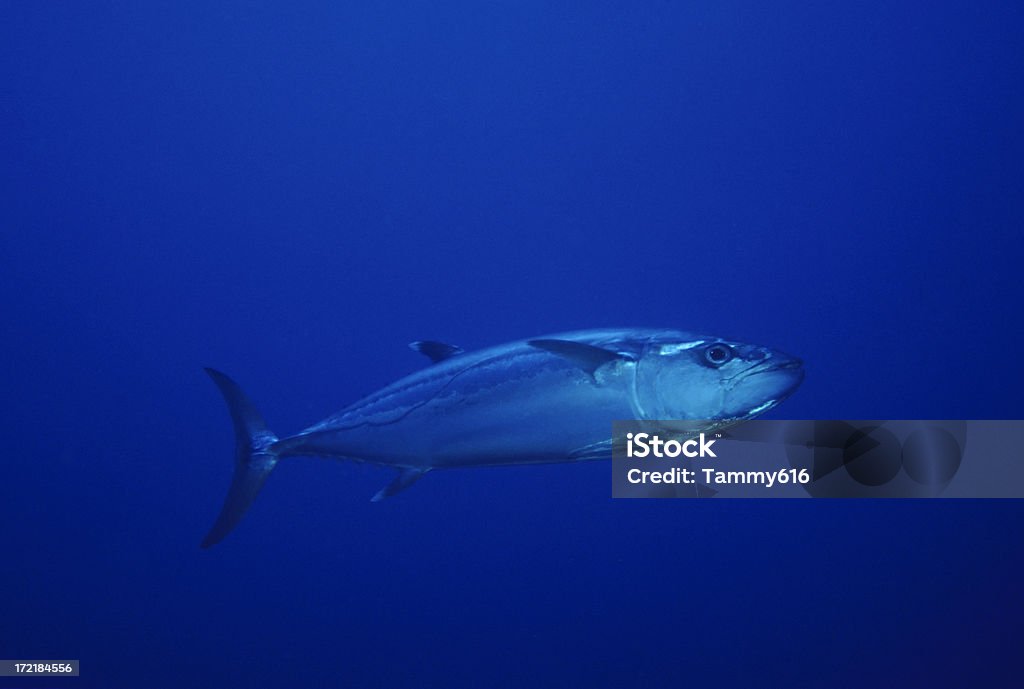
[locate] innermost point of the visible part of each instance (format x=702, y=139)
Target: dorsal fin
x=437, y=351
x=587, y=357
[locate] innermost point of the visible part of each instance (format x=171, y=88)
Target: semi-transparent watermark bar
x=829, y=459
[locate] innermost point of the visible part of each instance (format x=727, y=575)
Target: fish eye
x=718, y=354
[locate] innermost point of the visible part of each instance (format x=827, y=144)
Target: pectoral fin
x=587, y=357
x=405, y=478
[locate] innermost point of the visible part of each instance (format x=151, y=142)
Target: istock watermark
x=647, y=444
x=826, y=458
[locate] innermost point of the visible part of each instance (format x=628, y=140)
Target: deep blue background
x=293, y=193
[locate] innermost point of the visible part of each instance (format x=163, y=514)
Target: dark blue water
x=293, y=193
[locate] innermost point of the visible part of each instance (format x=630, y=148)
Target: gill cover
x=708, y=378
x=671, y=383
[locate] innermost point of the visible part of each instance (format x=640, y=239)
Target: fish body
x=511, y=404
x=549, y=399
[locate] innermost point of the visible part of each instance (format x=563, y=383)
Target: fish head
x=712, y=378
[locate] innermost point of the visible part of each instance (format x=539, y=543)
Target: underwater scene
x=222, y=225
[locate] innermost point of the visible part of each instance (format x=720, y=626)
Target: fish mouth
x=796, y=379
x=789, y=370
x=788, y=364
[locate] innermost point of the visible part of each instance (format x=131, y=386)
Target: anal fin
x=405, y=478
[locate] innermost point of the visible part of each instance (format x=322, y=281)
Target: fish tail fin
x=254, y=457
